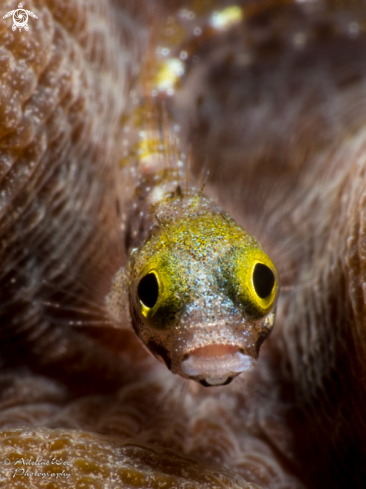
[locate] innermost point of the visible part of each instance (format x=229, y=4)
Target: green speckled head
x=202, y=291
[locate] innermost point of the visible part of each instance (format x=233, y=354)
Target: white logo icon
x=20, y=17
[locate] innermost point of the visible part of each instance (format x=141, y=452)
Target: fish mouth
x=215, y=365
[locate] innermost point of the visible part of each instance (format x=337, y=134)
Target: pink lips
x=216, y=363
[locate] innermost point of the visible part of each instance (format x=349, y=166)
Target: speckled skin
x=198, y=252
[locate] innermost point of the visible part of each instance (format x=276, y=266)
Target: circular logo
x=20, y=18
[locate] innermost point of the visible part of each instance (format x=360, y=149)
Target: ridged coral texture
x=274, y=107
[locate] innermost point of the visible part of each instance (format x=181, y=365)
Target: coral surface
x=274, y=108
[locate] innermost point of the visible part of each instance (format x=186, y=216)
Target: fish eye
x=252, y=280
x=157, y=293
x=263, y=280
x=148, y=290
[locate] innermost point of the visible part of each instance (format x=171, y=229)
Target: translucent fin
x=116, y=301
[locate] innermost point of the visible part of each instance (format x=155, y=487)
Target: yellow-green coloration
x=169, y=73
x=171, y=290
x=149, y=147
x=240, y=278
x=200, y=283
x=206, y=238
x=227, y=17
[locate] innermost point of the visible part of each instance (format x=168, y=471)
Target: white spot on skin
x=171, y=71
x=157, y=194
x=269, y=320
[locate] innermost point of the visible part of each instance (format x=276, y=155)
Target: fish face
x=203, y=295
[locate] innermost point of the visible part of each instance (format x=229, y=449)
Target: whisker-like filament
x=81, y=323
x=79, y=310
x=91, y=305
x=188, y=168
x=91, y=323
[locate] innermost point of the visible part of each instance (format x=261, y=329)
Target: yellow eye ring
x=254, y=281
x=157, y=291
x=148, y=291
x=264, y=284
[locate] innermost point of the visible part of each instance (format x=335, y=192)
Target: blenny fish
x=201, y=291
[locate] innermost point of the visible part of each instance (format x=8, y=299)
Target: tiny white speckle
x=299, y=39
x=353, y=29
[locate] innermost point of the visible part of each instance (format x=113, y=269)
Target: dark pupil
x=148, y=290
x=263, y=280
